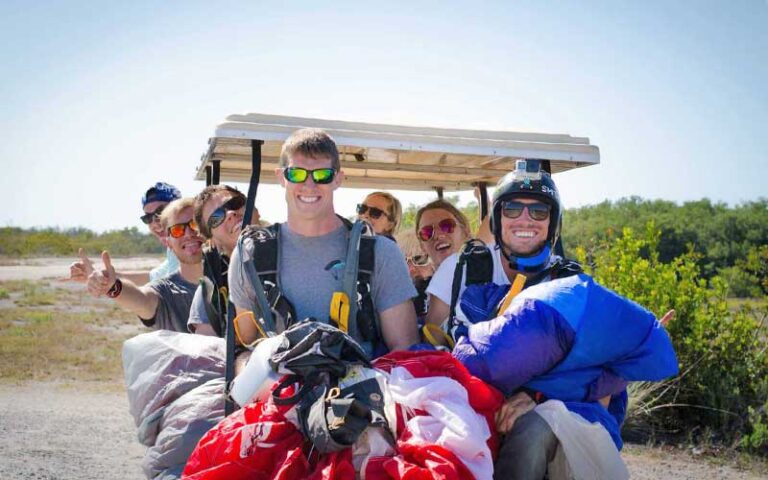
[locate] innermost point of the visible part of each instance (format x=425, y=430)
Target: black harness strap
x=476, y=257
x=229, y=372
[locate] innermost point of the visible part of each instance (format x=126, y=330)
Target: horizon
x=103, y=102
x=142, y=229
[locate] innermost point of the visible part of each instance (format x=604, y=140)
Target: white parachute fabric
x=452, y=423
x=175, y=394
x=588, y=448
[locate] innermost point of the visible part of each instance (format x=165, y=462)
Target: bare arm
x=205, y=329
x=438, y=311
x=142, y=301
x=484, y=230
x=136, y=277
x=398, y=326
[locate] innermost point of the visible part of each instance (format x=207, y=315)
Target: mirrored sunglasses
x=220, y=214
x=148, y=218
x=373, y=212
x=178, y=230
x=418, y=260
x=320, y=176
x=537, y=211
x=446, y=226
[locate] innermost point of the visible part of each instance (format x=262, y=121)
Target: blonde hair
x=395, y=209
x=409, y=243
x=173, y=209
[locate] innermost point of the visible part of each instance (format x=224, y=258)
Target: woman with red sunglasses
x=441, y=229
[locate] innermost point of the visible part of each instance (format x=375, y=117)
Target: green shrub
x=721, y=353
x=17, y=242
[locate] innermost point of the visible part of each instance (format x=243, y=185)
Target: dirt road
x=57, y=267
x=53, y=432
x=56, y=432
x=83, y=430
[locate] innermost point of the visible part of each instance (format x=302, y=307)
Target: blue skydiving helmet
x=529, y=181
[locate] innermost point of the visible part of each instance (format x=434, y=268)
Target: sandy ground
x=54, y=432
x=56, y=267
x=63, y=432
x=84, y=431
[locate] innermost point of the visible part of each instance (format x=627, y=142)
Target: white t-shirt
x=441, y=284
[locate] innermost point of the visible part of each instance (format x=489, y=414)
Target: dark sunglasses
x=373, y=212
x=418, y=260
x=537, y=211
x=220, y=214
x=178, y=230
x=446, y=226
x=321, y=176
x=148, y=218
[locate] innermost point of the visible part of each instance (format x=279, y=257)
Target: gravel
x=52, y=432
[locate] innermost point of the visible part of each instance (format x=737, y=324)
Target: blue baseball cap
x=160, y=192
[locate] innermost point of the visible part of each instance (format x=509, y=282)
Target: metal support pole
x=207, y=175
x=483, y=200
x=229, y=372
x=216, y=174
x=439, y=191
x=254, y=185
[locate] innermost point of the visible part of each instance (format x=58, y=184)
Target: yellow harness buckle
x=437, y=336
x=517, y=287
x=340, y=311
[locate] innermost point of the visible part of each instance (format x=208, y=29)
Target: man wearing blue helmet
x=525, y=221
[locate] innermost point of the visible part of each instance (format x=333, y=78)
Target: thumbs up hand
x=80, y=271
x=100, y=281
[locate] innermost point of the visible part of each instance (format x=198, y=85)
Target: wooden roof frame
x=393, y=157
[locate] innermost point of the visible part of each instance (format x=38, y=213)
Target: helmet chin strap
x=534, y=263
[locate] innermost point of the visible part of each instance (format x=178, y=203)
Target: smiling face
x=442, y=244
x=523, y=235
x=381, y=225
x=309, y=204
x=225, y=235
x=155, y=228
x=189, y=247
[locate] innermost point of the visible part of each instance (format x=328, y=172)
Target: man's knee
x=526, y=449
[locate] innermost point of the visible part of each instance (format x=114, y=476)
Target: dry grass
x=61, y=334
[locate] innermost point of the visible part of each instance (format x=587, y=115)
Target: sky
x=100, y=100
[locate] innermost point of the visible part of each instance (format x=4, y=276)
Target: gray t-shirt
x=175, y=301
x=197, y=313
x=311, y=269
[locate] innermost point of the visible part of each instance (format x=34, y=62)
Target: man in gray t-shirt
x=308, y=277
x=313, y=244
x=175, y=294
x=163, y=303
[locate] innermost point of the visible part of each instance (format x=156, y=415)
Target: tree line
x=729, y=241
x=36, y=242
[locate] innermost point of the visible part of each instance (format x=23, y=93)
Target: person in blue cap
x=153, y=202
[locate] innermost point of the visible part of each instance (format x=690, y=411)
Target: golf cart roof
x=392, y=156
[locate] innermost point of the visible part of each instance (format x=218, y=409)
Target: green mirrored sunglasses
x=321, y=176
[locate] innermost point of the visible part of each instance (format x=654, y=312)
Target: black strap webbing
x=229, y=372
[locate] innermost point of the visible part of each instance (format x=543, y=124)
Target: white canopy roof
x=392, y=156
